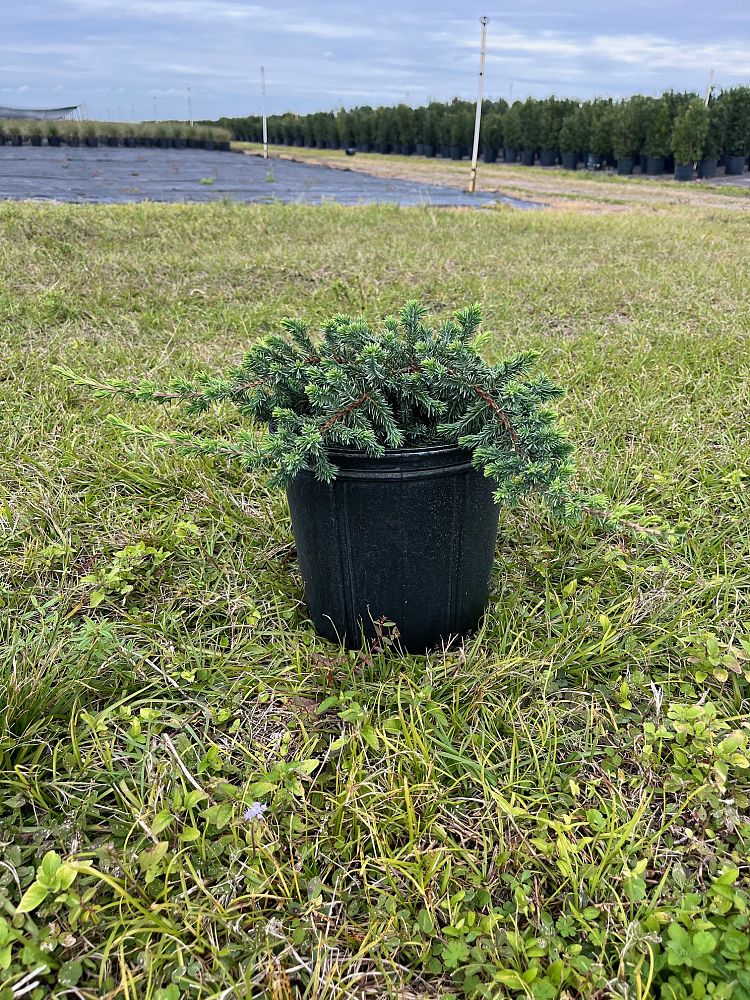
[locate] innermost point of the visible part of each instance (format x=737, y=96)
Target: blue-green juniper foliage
x=405, y=385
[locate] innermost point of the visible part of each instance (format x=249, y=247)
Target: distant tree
x=512, y=127
x=531, y=124
x=363, y=126
x=551, y=116
x=600, y=135
x=345, y=127
x=690, y=131
x=626, y=129
x=714, y=141
x=405, y=125
x=658, y=139
x=574, y=133
x=492, y=131
x=735, y=111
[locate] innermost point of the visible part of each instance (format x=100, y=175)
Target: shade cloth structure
x=38, y=114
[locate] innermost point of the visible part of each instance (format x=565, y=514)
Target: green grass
x=546, y=811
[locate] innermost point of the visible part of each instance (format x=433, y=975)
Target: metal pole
x=263, y=111
x=484, y=21
x=190, y=107
x=709, y=88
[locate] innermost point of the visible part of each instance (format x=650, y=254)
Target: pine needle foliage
x=405, y=385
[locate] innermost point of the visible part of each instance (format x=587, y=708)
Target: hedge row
x=15, y=132
x=678, y=125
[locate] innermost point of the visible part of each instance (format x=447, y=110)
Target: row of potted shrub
x=648, y=130
x=167, y=135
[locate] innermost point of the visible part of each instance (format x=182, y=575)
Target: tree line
x=678, y=125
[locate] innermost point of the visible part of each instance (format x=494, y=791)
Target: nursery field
x=589, y=190
x=557, y=808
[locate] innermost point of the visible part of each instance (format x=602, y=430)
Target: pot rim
x=396, y=452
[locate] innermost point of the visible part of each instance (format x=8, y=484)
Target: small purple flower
x=254, y=811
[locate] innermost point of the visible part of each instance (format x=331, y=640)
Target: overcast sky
x=117, y=55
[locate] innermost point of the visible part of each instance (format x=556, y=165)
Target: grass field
x=559, y=808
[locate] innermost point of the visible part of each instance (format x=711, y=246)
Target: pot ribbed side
x=408, y=538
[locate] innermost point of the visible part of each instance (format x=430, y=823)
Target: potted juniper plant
x=397, y=446
x=572, y=138
x=709, y=161
x=735, y=105
x=688, y=138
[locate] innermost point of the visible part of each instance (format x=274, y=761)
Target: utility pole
x=484, y=21
x=709, y=88
x=263, y=111
x=190, y=107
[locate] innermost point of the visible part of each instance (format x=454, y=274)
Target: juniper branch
x=405, y=384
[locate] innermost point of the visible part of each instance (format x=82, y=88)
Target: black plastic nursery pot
x=654, y=164
x=708, y=166
x=36, y=140
x=527, y=157
x=548, y=157
x=16, y=140
x=510, y=154
x=570, y=161
x=490, y=155
x=683, y=171
x=408, y=538
x=735, y=165
x=625, y=165
x=428, y=150
x=457, y=152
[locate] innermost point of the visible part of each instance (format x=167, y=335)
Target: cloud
x=318, y=55
x=646, y=50
x=213, y=11
x=44, y=49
